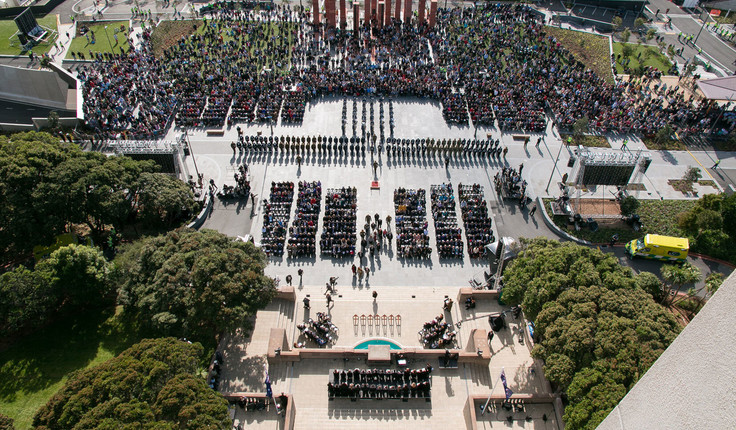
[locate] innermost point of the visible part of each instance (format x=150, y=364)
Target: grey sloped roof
x=36, y=87
x=690, y=386
x=719, y=88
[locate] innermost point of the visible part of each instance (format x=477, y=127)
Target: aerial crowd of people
x=493, y=62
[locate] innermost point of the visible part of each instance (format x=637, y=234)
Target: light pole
x=194, y=159
x=546, y=190
x=701, y=27
x=108, y=38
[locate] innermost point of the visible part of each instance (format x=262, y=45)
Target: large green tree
x=596, y=329
x=79, y=274
x=72, y=278
x=711, y=226
x=546, y=268
x=193, y=283
x=26, y=160
x=151, y=385
x=47, y=185
x=163, y=199
x=27, y=300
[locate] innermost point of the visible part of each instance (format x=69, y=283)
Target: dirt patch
x=596, y=207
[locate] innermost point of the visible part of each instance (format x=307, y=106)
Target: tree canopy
x=596, y=329
x=151, y=385
x=711, y=226
x=546, y=268
x=73, y=277
x=193, y=284
x=46, y=185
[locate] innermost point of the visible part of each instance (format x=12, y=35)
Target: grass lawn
x=650, y=56
x=104, y=42
x=259, y=49
x=8, y=28
x=657, y=217
x=35, y=367
x=590, y=49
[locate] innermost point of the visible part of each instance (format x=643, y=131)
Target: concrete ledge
x=553, y=226
x=203, y=214
x=286, y=292
x=277, y=341
x=466, y=292
x=288, y=355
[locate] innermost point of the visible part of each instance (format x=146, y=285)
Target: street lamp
x=108, y=38
x=546, y=190
x=702, y=26
x=194, y=160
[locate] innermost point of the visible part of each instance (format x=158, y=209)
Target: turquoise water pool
x=365, y=344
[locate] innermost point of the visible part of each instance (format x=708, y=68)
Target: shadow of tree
x=72, y=342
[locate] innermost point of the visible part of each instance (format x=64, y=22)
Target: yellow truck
x=657, y=247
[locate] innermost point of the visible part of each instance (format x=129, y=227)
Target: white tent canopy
x=510, y=250
x=723, y=89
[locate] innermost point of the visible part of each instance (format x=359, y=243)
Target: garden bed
x=667, y=145
x=590, y=49
x=169, y=33
x=656, y=216
x=683, y=186
x=589, y=140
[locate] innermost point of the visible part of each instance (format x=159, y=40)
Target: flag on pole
x=269, y=391
x=506, y=388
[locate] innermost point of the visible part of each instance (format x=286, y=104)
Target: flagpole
x=485, y=407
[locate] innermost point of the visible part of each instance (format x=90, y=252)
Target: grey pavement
x=415, y=118
x=713, y=49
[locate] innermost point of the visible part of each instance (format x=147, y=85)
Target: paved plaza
x=307, y=379
x=413, y=289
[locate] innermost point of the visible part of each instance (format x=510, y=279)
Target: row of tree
x=193, y=284
x=46, y=185
x=187, y=284
x=597, y=328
